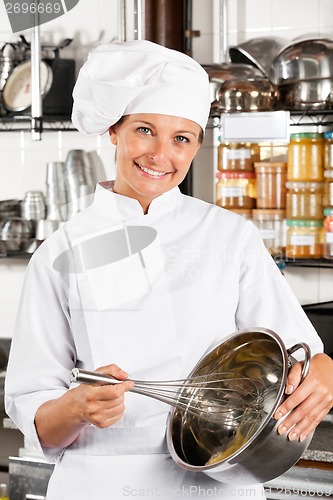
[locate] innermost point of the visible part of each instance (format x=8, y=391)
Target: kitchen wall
x=23, y=162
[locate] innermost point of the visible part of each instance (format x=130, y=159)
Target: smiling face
x=154, y=153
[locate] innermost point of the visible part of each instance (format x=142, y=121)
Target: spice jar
x=305, y=200
x=328, y=237
x=271, y=184
x=272, y=227
x=328, y=150
x=328, y=191
x=306, y=157
x=236, y=189
x=304, y=239
x=238, y=156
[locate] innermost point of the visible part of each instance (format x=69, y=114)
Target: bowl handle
x=307, y=352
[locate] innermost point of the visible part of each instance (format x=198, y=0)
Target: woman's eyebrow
x=178, y=132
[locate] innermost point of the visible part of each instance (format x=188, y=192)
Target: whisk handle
x=90, y=377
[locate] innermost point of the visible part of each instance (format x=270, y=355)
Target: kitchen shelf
x=311, y=118
x=19, y=123
x=323, y=263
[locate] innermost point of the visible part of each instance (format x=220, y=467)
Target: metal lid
x=328, y=135
x=306, y=135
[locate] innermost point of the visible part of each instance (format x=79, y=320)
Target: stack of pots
x=305, y=190
x=270, y=214
x=236, y=187
x=328, y=196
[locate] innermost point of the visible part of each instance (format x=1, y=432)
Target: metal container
x=254, y=94
x=15, y=232
x=251, y=449
x=308, y=95
x=260, y=52
x=304, y=60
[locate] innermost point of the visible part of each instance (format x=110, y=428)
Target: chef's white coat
x=190, y=275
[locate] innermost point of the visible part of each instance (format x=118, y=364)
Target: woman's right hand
x=59, y=421
x=103, y=405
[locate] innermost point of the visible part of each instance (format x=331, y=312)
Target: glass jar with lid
x=328, y=150
x=237, y=156
x=236, y=189
x=328, y=192
x=328, y=237
x=304, y=239
x=272, y=227
x=271, y=184
x=306, y=157
x=305, y=200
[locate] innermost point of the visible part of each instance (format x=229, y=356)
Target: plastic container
x=304, y=239
x=271, y=184
x=328, y=236
x=305, y=200
x=328, y=150
x=272, y=226
x=306, y=157
x=328, y=191
x=238, y=156
x=236, y=189
x=4, y=492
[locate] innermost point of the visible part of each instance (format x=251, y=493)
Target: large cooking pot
x=244, y=447
x=307, y=95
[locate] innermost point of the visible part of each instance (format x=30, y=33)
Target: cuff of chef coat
x=22, y=410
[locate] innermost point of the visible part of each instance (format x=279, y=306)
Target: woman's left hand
x=309, y=401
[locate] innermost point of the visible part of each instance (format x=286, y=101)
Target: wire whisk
x=218, y=396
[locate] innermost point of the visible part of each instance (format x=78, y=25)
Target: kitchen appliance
x=243, y=451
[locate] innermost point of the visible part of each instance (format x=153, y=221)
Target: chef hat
x=124, y=78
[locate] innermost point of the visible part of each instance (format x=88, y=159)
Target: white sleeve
x=42, y=351
x=266, y=299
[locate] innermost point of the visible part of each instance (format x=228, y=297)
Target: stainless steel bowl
x=15, y=232
x=255, y=94
x=307, y=95
x=259, y=51
x=247, y=445
x=304, y=60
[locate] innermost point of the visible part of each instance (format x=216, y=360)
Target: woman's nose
x=160, y=154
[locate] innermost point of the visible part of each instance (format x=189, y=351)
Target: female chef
x=144, y=280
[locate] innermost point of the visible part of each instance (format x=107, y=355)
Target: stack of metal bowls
x=56, y=208
x=79, y=179
x=9, y=208
x=303, y=72
x=33, y=206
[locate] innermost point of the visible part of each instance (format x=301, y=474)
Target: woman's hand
x=309, y=401
x=59, y=421
x=103, y=405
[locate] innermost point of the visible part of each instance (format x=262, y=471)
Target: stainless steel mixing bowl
x=304, y=60
x=246, y=447
x=253, y=94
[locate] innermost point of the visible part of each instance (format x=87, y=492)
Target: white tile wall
x=23, y=162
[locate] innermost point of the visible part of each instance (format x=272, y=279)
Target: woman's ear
x=113, y=135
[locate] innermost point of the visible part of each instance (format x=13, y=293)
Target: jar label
x=239, y=154
x=267, y=234
x=232, y=191
x=302, y=239
x=329, y=237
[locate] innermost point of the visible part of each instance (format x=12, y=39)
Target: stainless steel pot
x=253, y=94
x=310, y=95
x=246, y=447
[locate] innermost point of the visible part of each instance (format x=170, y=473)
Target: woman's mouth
x=150, y=172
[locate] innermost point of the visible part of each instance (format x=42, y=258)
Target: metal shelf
x=311, y=118
x=19, y=123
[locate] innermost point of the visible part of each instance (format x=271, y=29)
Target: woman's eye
x=144, y=130
x=181, y=138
